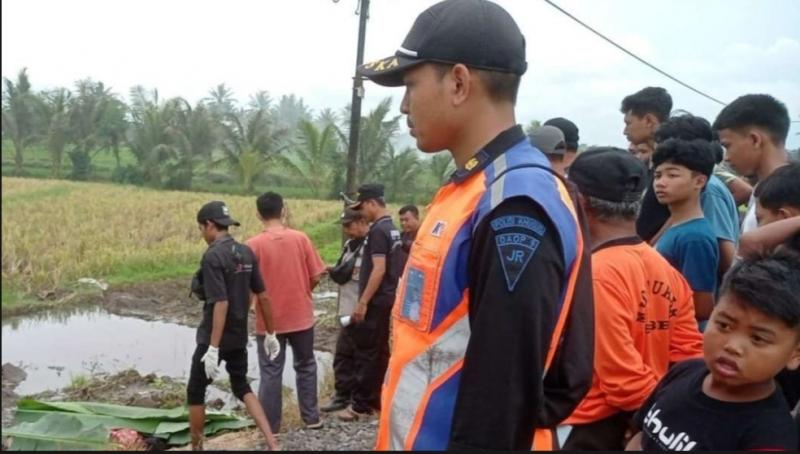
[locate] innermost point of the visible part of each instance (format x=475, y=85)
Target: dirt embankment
x=169, y=301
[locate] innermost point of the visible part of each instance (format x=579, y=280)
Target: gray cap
x=549, y=139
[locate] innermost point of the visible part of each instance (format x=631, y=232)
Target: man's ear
x=794, y=359
x=700, y=180
x=652, y=121
x=460, y=87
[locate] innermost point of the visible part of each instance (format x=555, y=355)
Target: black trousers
x=371, y=339
x=607, y=434
x=235, y=363
x=344, y=364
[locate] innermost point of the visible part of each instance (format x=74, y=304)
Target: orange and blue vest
x=430, y=320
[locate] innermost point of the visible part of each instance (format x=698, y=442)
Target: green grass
x=131, y=273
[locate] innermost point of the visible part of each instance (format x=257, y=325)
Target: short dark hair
x=605, y=210
x=768, y=284
x=270, y=205
x=696, y=155
x=654, y=100
x=501, y=86
x=780, y=188
x=684, y=126
x=412, y=208
x=761, y=111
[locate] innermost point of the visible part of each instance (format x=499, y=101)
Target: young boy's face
x=744, y=346
x=676, y=183
x=741, y=150
x=766, y=216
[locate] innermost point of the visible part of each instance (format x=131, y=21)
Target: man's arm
x=703, y=305
x=685, y=339
x=516, y=276
x=623, y=375
x=765, y=239
x=374, y=281
x=727, y=252
x=740, y=190
x=218, y=324
x=266, y=311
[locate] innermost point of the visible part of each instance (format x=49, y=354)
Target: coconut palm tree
x=314, y=156
x=56, y=114
x=148, y=138
x=400, y=173
x=19, y=106
x=251, y=144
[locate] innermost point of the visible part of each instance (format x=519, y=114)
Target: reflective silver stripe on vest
x=417, y=376
x=498, y=184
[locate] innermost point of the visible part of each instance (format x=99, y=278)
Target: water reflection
x=56, y=346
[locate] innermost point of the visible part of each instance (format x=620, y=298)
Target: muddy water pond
x=54, y=347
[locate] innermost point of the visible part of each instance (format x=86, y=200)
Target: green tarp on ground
x=86, y=425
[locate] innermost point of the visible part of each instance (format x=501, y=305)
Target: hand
x=211, y=362
x=272, y=346
x=359, y=312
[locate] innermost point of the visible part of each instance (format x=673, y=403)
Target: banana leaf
x=86, y=425
x=58, y=432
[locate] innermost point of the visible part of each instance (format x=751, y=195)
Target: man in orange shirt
x=291, y=268
x=644, y=312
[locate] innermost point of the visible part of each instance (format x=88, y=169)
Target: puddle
x=53, y=348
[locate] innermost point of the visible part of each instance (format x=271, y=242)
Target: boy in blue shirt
x=682, y=169
x=717, y=202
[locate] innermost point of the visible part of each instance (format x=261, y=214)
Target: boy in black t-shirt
x=730, y=400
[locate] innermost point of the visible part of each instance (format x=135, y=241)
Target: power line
x=664, y=73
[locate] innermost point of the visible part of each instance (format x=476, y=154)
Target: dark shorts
x=235, y=364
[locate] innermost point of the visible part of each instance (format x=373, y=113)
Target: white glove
x=272, y=346
x=211, y=362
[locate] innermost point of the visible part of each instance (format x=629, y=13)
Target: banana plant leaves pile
x=86, y=425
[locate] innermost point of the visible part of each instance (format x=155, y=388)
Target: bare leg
x=257, y=413
x=197, y=419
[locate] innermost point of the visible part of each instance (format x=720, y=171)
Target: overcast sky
x=307, y=47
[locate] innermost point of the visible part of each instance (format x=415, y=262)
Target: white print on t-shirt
x=660, y=433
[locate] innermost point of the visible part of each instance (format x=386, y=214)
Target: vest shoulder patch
x=515, y=251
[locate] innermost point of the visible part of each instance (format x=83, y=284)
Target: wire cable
x=662, y=72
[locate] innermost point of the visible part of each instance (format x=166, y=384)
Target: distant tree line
x=175, y=144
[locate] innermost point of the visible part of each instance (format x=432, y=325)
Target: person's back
x=290, y=268
x=639, y=295
x=288, y=262
x=644, y=311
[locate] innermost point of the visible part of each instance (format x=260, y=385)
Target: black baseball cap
x=608, y=173
x=367, y=191
x=216, y=211
x=568, y=128
x=476, y=33
x=349, y=215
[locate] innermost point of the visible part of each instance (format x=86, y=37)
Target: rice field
x=55, y=232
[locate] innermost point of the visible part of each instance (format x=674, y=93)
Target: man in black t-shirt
x=730, y=401
x=227, y=276
x=376, y=289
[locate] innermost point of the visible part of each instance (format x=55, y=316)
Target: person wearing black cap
x=645, y=313
x=376, y=288
x=346, y=273
x=498, y=268
x=571, y=138
x=228, y=274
